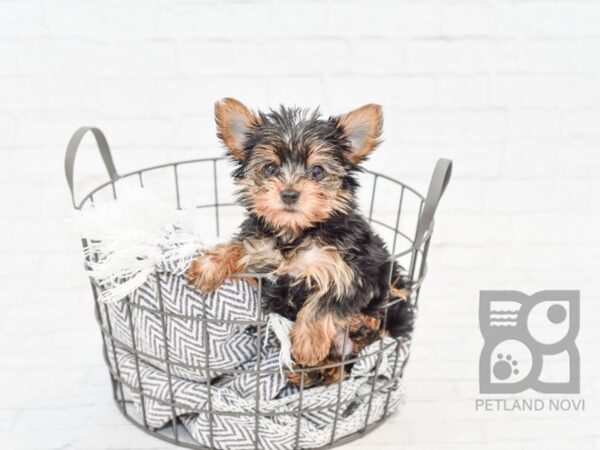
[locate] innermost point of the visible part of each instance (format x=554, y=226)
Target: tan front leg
x=210, y=270
x=312, y=336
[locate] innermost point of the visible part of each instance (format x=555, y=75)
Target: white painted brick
x=132, y=19
x=445, y=370
x=536, y=429
x=39, y=130
x=574, y=152
x=390, y=433
x=285, y=20
x=584, y=229
x=373, y=56
x=20, y=92
x=447, y=433
x=24, y=205
x=462, y=91
x=349, y=92
x=31, y=168
x=477, y=229
x=198, y=95
x=515, y=19
x=61, y=55
x=8, y=130
x=595, y=191
x=468, y=18
x=59, y=17
x=9, y=18
x=401, y=18
x=461, y=55
x=454, y=126
x=66, y=93
x=229, y=19
x=141, y=58
x=583, y=123
x=465, y=195
x=5, y=168
x=585, y=55
x=536, y=196
x=541, y=228
x=196, y=131
x=535, y=123
x=206, y=57
x=545, y=257
x=305, y=91
x=292, y=56
x=133, y=95
x=21, y=18
x=70, y=18
x=544, y=90
x=423, y=391
x=8, y=63
x=583, y=18
x=546, y=55
x=457, y=256
x=531, y=159
x=124, y=132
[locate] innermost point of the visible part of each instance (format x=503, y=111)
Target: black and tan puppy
x=329, y=272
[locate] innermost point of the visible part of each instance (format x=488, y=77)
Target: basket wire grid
x=412, y=257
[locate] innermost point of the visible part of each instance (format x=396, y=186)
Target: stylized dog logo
x=529, y=342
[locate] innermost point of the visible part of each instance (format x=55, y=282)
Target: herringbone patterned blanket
x=170, y=345
x=232, y=354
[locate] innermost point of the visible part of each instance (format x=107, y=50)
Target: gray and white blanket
x=202, y=354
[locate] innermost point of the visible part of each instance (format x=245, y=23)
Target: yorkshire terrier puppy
x=329, y=272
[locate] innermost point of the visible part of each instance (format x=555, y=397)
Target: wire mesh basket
x=400, y=214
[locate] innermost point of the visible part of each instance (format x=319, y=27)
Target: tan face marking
x=315, y=203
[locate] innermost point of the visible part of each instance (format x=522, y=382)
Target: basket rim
x=216, y=159
x=393, y=257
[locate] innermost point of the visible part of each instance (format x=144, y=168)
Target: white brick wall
x=509, y=89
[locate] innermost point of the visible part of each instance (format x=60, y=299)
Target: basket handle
x=72, y=148
x=437, y=186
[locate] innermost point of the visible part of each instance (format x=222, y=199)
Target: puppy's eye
x=270, y=169
x=317, y=172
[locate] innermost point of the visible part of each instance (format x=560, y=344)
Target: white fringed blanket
x=139, y=248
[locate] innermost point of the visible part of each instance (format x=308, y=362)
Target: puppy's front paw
x=210, y=270
x=205, y=274
x=313, y=377
x=309, y=350
x=363, y=331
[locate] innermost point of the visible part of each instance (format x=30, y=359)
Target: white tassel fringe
x=281, y=328
x=129, y=237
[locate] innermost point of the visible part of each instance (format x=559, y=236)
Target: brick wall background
x=510, y=90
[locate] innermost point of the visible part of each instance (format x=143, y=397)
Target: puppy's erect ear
x=234, y=121
x=362, y=127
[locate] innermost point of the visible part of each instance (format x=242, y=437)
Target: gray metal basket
x=388, y=209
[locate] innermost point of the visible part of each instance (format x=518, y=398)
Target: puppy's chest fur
x=304, y=272
x=336, y=266
x=309, y=260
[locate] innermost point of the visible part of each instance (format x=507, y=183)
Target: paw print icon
x=529, y=342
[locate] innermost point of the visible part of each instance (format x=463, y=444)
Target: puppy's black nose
x=289, y=196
